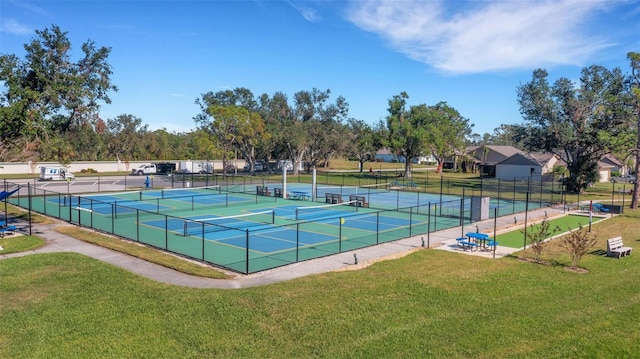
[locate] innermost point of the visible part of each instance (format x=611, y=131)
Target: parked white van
x=56, y=173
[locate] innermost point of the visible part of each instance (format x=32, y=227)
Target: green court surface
x=247, y=231
x=515, y=239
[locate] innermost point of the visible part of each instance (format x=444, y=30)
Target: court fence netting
x=164, y=219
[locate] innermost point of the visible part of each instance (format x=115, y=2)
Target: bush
x=537, y=238
x=578, y=243
x=88, y=170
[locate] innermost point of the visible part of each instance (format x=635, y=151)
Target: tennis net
x=326, y=211
x=356, y=190
x=189, y=192
x=204, y=225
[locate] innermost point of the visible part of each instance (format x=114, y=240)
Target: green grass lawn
x=15, y=243
x=515, y=239
x=429, y=304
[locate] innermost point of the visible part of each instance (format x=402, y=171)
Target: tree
x=448, y=131
x=320, y=123
x=228, y=124
x=238, y=115
x=278, y=116
x=634, y=58
x=578, y=122
x=407, y=134
x=537, y=236
x=48, y=88
x=124, y=134
x=577, y=243
x=361, y=144
x=311, y=129
x=438, y=130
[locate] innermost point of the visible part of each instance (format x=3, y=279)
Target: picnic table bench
x=615, y=248
x=466, y=244
x=474, y=241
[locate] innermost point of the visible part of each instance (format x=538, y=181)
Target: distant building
x=609, y=164
x=385, y=155
x=481, y=158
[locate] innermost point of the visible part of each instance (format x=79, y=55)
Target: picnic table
x=5, y=229
x=300, y=195
x=474, y=240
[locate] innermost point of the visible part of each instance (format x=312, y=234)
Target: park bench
x=615, y=248
x=333, y=198
x=358, y=201
x=263, y=191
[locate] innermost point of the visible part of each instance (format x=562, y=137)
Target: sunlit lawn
x=515, y=239
x=429, y=304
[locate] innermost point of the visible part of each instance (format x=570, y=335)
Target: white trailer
x=55, y=173
x=191, y=167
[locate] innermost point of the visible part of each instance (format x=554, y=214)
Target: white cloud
x=483, y=36
x=307, y=13
x=12, y=26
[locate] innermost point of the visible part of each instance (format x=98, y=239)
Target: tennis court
x=246, y=231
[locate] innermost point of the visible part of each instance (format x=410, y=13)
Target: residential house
x=481, y=158
x=385, y=155
x=609, y=164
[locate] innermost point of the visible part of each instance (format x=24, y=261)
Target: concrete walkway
x=444, y=240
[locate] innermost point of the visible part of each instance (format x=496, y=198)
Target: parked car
x=144, y=170
x=257, y=167
x=625, y=178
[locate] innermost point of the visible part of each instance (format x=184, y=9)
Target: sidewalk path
x=445, y=239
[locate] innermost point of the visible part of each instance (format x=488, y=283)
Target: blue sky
x=470, y=54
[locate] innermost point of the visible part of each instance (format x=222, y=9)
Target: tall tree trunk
x=407, y=168
x=636, y=186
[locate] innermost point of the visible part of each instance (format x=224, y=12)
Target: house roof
x=384, y=151
x=521, y=159
x=611, y=161
x=493, y=155
x=542, y=157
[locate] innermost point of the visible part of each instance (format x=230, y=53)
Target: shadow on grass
x=550, y=263
x=599, y=252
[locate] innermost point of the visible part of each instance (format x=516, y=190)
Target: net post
x=273, y=217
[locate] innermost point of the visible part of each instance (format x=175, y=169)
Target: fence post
x=297, y=242
x=340, y=234
x=377, y=227
x=29, y=194
x=247, y=252
x=429, y=223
